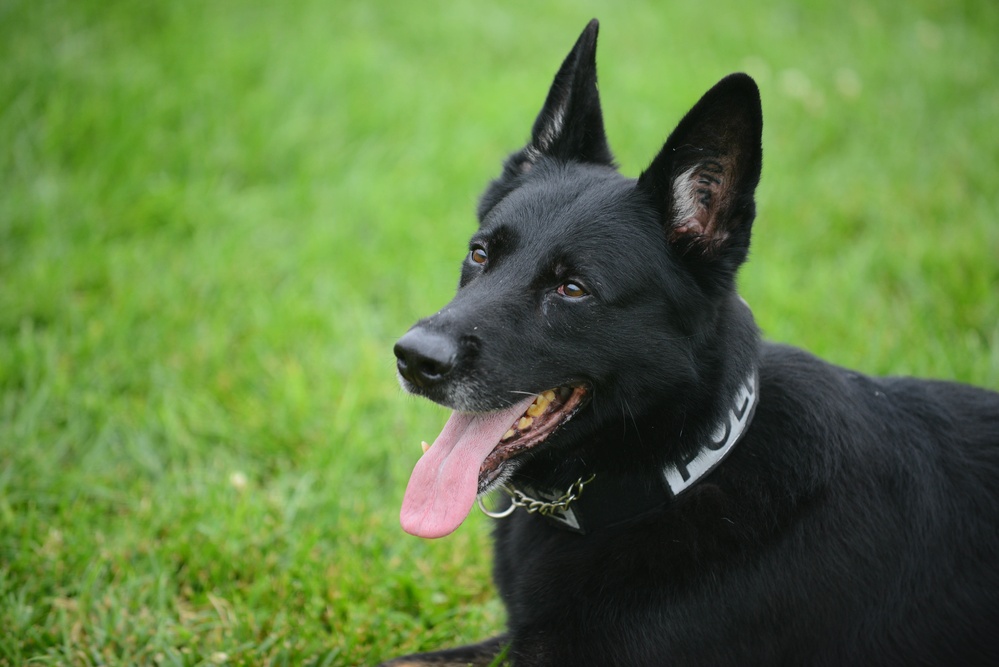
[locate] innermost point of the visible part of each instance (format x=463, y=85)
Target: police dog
x=680, y=492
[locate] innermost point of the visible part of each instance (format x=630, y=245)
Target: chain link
x=543, y=507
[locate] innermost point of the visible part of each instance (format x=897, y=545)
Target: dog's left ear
x=570, y=126
x=704, y=179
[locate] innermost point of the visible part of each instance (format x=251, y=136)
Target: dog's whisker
x=629, y=412
x=523, y=393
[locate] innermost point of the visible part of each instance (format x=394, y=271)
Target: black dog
x=683, y=493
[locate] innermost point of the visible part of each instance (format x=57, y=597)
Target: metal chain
x=532, y=505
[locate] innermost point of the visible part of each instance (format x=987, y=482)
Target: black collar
x=634, y=496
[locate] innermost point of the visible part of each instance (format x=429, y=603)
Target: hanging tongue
x=445, y=481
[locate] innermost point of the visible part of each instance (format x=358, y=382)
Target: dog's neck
x=595, y=501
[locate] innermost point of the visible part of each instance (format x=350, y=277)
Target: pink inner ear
x=689, y=226
x=699, y=196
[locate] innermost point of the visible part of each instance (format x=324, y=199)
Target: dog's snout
x=425, y=358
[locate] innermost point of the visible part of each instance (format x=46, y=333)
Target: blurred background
x=216, y=218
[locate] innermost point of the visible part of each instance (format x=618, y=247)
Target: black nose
x=425, y=358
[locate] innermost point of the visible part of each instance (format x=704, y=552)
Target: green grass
x=215, y=219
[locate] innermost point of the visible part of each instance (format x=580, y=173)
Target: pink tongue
x=445, y=481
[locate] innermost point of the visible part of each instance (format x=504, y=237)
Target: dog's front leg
x=482, y=654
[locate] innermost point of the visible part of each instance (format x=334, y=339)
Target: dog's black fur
x=855, y=523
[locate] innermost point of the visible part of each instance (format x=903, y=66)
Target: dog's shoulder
x=827, y=421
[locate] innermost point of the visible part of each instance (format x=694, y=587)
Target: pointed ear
x=704, y=178
x=571, y=125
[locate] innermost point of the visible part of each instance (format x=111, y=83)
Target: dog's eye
x=572, y=290
x=478, y=255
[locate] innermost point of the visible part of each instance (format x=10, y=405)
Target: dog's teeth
x=425, y=446
x=509, y=434
x=525, y=423
x=541, y=403
x=538, y=406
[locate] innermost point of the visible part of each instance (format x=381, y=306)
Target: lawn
x=217, y=217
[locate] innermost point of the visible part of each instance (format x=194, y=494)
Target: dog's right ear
x=570, y=126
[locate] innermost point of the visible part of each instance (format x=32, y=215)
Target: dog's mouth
x=470, y=454
x=546, y=413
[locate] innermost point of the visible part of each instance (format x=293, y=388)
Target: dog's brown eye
x=478, y=255
x=572, y=290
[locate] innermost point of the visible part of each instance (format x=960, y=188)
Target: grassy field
x=216, y=218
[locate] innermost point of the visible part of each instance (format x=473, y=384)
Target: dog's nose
x=425, y=358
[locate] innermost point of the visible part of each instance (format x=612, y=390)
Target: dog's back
x=900, y=540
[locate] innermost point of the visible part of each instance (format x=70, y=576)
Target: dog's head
x=584, y=294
